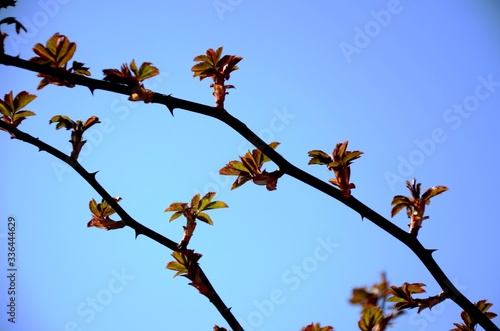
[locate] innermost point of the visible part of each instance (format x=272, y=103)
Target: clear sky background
x=415, y=85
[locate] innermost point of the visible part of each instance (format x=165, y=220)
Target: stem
x=215, y=299
x=425, y=255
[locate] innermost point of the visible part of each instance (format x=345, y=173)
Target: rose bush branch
x=125, y=217
x=425, y=255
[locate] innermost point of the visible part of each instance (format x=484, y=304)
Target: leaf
x=216, y=205
x=316, y=327
x=207, y=198
x=319, y=157
x=177, y=266
x=218, y=69
x=195, y=201
x=22, y=99
x=100, y=215
x=175, y=216
x=64, y=50
x=397, y=208
x=132, y=77
x=240, y=181
x=147, y=71
x=403, y=295
x=470, y=324
x=233, y=168
x=93, y=207
x=11, y=108
x=433, y=191
x=176, y=206
x=186, y=263
x=7, y=3
x=44, y=55
x=370, y=317
x=351, y=156
x=63, y=122
x=57, y=51
x=249, y=168
x=79, y=69
x=204, y=218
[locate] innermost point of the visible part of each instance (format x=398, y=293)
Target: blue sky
x=415, y=85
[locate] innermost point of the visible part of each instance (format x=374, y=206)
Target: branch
x=214, y=298
x=425, y=255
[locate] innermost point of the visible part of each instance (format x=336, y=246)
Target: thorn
x=171, y=110
x=362, y=217
x=136, y=233
x=91, y=90
x=430, y=251
x=94, y=173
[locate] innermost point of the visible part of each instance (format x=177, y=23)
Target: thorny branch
x=425, y=255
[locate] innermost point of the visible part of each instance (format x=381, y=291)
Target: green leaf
x=319, y=157
x=333, y=165
x=93, y=207
x=147, y=71
x=22, y=99
x=133, y=67
x=176, y=206
x=176, y=266
x=175, y=216
x=433, y=191
x=238, y=166
x=370, y=317
x=65, y=50
x=397, y=208
x=202, y=58
x=351, y=156
x=63, y=122
x=218, y=54
x=207, y=198
x=43, y=53
x=415, y=288
x=22, y=114
x=216, y=204
x=204, y=218
x=342, y=148
x=195, y=201
x=249, y=163
x=240, y=181
x=4, y=109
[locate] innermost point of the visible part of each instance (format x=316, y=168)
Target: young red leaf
x=11, y=108
x=415, y=205
x=100, y=215
x=316, y=327
x=249, y=168
x=218, y=69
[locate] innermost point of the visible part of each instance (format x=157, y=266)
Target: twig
x=425, y=255
x=139, y=229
